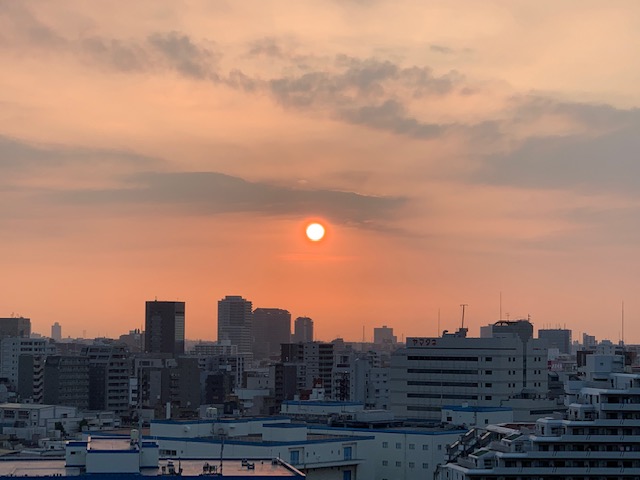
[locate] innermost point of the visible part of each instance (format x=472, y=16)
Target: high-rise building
x=559, y=338
x=303, y=330
x=164, y=327
x=271, y=328
x=15, y=327
x=108, y=377
x=56, y=331
x=234, y=322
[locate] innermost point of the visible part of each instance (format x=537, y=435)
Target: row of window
x=412, y=446
x=385, y=463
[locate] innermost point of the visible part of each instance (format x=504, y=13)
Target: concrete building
x=314, y=362
x=29, y=422
x=108, y=377
x=15, y=327
x=12, y=348
x=56, y=332
x=164, y=327
x=66, y=381
x=559, y=338
x=431, y=372
x=235, y=322
x=597, y=438
x=303, y=330
x=370, y=382
x=384, y=336
x=271, y=328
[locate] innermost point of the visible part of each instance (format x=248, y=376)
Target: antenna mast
x=463, y=305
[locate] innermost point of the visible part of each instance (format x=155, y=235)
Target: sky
x=458, y=152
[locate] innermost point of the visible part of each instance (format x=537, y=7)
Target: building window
x=412, y=446
x=425, y=465
x=385, y=463
x=398, y=464
x=398, y=445
x=488, y=397
x=385, y=444
x=488, y=372
x=425, y=447
x=489, y=359
x=412, y=465
x=439, y=447
x=488, y=385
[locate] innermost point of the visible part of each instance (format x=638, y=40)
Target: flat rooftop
x=35, y=467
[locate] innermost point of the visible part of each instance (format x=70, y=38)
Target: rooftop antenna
x=623, y=322
x=463, y=305
x=362, y=333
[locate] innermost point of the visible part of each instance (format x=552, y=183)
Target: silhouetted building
x=559, y=338
x=384, y=336
x=66, y=381
x=164, y=327
x=303, y=330
x=108, y=378
x=314, y=362
x=271, y=328
x=234, y=322
x=56, y=331
x=15, y=327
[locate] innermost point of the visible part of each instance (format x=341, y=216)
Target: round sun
x=315, y=232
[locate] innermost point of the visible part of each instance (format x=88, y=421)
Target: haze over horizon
x=454, y=151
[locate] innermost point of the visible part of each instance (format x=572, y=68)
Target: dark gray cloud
x=183, y=55
x=604, y=157
x=19, y=158
x=214, y=193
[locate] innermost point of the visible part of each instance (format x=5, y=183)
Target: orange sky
x=456, y=151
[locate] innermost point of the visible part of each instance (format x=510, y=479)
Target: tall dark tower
x=271, y=328
x=303, y=330
x=235, y=322
x=164, y=327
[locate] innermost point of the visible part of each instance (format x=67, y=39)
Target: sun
x=315, y=232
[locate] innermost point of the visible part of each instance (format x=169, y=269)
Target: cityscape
x=511, y=402
x=336, y=240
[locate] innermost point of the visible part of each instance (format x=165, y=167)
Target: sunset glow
x=315, y=232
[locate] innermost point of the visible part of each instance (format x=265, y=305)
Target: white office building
x=453, y=369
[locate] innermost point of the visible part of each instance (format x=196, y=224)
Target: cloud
x=183, y=55
x=216, y=193
x=600, y=156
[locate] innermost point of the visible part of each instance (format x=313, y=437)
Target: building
x=56, y=332
x=453, y=369
x=15, y=327
x=164, y=327
x=303, y=330
x=29, y=422
x=314, y=363
x=66, y=381
x=384, y=336
x=559, y=338
x=597, y=438
x=132, y=457
x=108, y=377
x=271, y=328
x=235, y=322
x=12, y=348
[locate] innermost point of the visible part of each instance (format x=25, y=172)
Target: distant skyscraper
x=164, y=327
x=234, y=322
x=303, y=330
x=56, y=331
x=15, y=327
x=271, y=327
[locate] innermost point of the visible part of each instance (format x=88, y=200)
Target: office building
x=15, y=327
x=384, y=336
x=56, y=332
x=453, y=369
x=559, y=338
x=271, y=328
x=235, y=322
x=164, y=327
x=303, y=330
x=314, y=362
x=13, y=348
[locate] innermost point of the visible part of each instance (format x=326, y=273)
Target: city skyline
x=478, y=153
